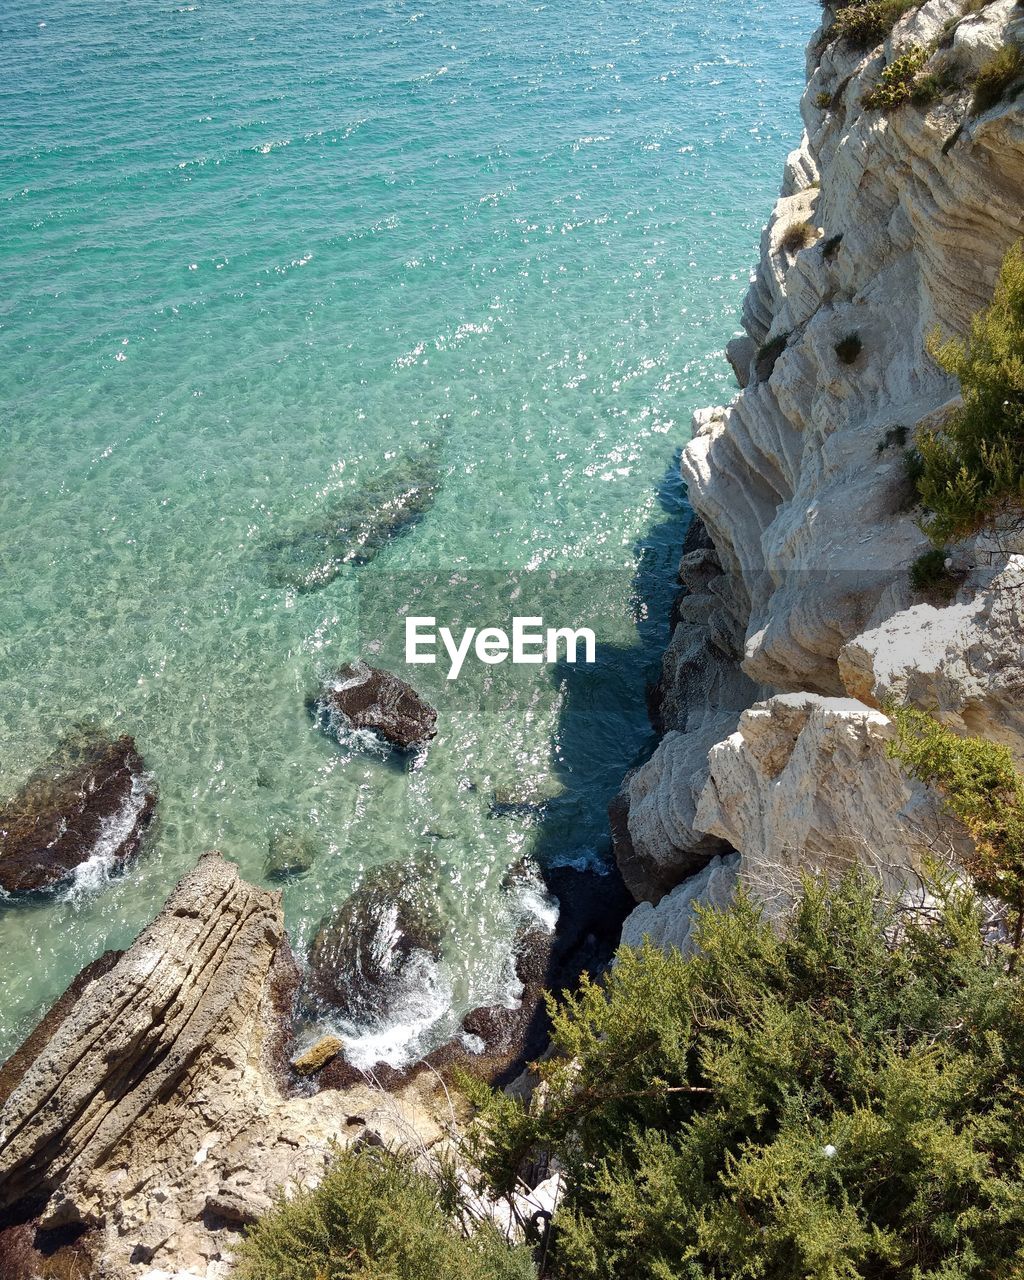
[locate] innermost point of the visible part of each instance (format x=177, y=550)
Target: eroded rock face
x=365, y=697
x=150, y=1106
x=92, y=799
x=802, y=485
x=803, y=498
x=806, y=784
x=963, y=662
x=377, y=945
x=670, y=924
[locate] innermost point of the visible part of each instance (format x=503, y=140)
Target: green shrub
x=797, y=236
x=866, y=25
x=374, y=1217
x=849, y=348
x=835, y=1100
x=980, y=786
x=896, y=84
x=926, y=90
x=767, y=354
x=929, y=574
x=823, y=100
x=973, y=468
x=830, y=247
x=998, y=77
x=896, y=436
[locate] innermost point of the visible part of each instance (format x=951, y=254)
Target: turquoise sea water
x=252, y=256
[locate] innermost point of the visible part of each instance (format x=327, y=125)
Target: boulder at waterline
x=365, y=697
x=374, y=948
x=92, y=798
x=317, y=1056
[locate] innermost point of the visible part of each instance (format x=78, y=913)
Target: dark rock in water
x=591, y=910
x=292, y=853
x=371, y=951
x=497, y=1026
x=92, y=796
x=367, y=697
x=359, y=525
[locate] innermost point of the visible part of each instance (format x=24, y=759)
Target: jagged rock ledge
x=152, y=1108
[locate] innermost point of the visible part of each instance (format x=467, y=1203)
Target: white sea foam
x=405, y=1035
x=105, y=859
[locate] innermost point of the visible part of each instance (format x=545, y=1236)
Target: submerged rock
x=91, y=799
x=369, y=953
x=359, y=525
x=366, y=697
x=292, y=853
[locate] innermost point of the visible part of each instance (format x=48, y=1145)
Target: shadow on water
x=594, y=749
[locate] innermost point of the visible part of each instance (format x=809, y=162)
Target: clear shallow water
x=249, y=255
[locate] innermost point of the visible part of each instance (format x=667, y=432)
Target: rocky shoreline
x=155, y=1110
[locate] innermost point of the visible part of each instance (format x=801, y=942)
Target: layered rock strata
x=151, y=1107
x=800, y=624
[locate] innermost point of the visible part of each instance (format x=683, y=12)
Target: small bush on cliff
x=797, y=236
x=930, y=574
x=849, y=348
x=835, y=1100
x=972, y=470
x=896, y=84
x=374, y=1217
x=981, y=787
x=865, y=25
x=998, y=77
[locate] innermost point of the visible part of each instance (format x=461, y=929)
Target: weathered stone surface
x=670, y=924
x=91, y=800
x=807, y=514
x=806, y=784
x=802, y=485
x=370, y=950
x=660, y=805
x=365, y=697
x=153, y=1111
x=964, y=662
x=317, y=1055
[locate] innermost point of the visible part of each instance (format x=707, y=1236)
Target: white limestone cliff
x=800, y=484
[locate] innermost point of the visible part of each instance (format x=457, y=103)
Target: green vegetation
x=929, y=574
x=980, y=787
x=375, y=1217
x=838, y=1099
x=1000, y=77
x=972, y=469
x=823, y=101
x=767, y=354
x=896, y=83
x=797, y=236
x=849, y=348
x=865, y=25
x=896, y=436
x=830, y=247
